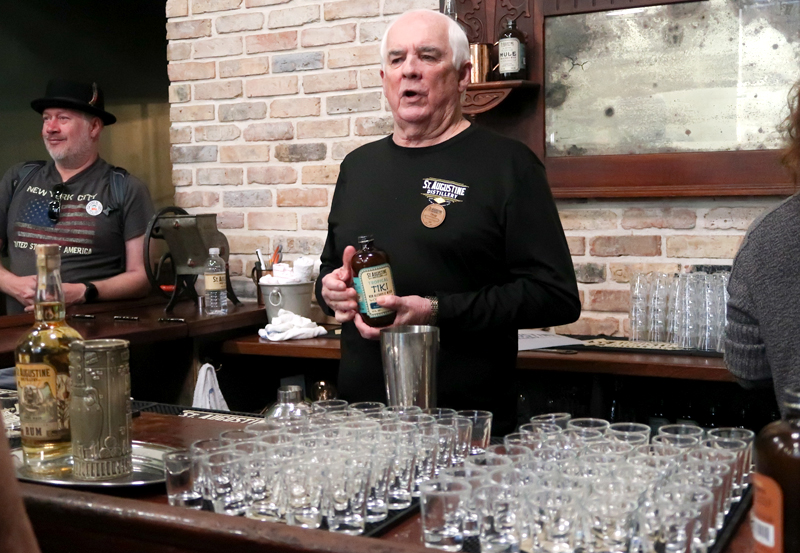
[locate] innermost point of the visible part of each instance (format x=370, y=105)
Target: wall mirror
x=643, y=98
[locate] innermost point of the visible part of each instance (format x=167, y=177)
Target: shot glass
x=463, y=438
x=180, y=475
x=629, y=432
x=499, y=513
x=229, y=437
x=548, y=429
x=346, y=480
x=328, y=405
x=588, y=423
x=476, y=477
x=559, y=419
x=225, y=473
x=367, y=406
x=481, y=429
x=440, y=412
x=443, y=505
x=303, y=484
x=681, y=430
x=554, y=516
x=746, y=436
x=378, y=490
x=610, y=521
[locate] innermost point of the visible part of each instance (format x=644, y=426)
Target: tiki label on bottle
x=215, y=281
x=43, y=402
x=767, y=517
x=371, y=283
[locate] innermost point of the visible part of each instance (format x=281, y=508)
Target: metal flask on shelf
x=409, y=364
x=100, y=409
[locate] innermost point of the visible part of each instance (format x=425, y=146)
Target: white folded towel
x=207, y=394
x=269, y=279
x=288, y=326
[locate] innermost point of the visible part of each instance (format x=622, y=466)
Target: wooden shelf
x=482, y=97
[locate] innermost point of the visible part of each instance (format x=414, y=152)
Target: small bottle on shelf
x=372, y=278
x=511, y=53
x=43, y=381
x=216, y=284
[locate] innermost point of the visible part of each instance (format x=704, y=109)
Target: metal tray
x=148, y=468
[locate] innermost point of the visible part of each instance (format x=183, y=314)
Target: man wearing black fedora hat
x=97, y=213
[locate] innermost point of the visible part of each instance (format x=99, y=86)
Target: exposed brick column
x=267, y=97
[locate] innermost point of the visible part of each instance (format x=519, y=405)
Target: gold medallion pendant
x=433, y=215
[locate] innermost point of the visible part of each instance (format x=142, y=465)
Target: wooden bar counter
x=139, y=520
x=633, y=363
x=146, y=328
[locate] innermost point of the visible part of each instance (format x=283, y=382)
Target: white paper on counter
x=539, y=339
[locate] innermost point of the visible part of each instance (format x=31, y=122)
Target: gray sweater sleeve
x=745, y=351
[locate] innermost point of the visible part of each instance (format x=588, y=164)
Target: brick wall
x=609, y=240
x=268, y=96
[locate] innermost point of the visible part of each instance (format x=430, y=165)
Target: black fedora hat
x=84, y=97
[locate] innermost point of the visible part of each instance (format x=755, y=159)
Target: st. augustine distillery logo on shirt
x=443, y=192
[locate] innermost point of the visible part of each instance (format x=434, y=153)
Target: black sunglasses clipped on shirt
x=54, y=207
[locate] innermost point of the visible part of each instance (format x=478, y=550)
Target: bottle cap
x=213, y=251
x=365, y=238
x=290, y=394
x=511, y=23
x=48, y=256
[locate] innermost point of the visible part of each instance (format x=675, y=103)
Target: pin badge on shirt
x=440, y=193
x=94, y=208
x=433, y=215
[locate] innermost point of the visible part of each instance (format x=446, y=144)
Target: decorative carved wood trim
x=567, y=7
x=477, y=101
x=472, y=14
x=481, y=97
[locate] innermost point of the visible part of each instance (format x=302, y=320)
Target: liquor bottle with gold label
x=372, y=278
x=775, y=516
x=43, y=384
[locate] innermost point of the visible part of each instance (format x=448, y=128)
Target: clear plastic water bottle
x=216, y=284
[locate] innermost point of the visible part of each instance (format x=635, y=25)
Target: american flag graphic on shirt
x=75, y=227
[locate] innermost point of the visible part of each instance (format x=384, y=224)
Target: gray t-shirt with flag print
x=92, y=236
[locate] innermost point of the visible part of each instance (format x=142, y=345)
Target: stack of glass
x=687, y=309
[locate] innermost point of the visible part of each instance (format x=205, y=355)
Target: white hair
x=459, y=44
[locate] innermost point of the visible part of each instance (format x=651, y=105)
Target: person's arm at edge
x=16, y=532
x=745, y=351
x=22, y=289
x=133, y=283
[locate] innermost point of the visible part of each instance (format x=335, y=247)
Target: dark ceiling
x=121, y=44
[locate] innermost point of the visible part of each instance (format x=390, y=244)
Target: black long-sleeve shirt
x=498, y=262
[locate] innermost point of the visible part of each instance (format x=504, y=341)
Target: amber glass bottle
x=776, y=499
x=372, y=278
x=511, y=53
x=42, y=361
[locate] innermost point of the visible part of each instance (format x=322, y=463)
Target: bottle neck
x=449, y=9
x=791, y=403
x=791, y=412
x=367, y=245
x=49, y=301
